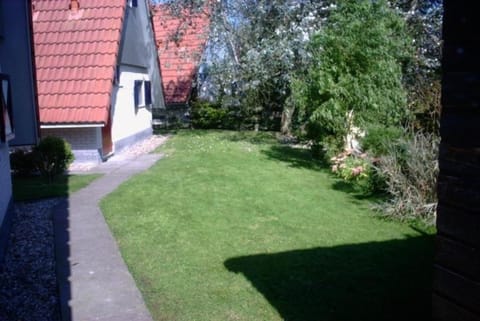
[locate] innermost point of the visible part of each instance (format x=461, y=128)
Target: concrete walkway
x=94, y=281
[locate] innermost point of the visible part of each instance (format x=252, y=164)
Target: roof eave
x=70, y=125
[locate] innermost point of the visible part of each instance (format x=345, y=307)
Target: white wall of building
x=130, y=123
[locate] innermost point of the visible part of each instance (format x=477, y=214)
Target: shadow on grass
x=303, y=158
x=256, y=138
x=295, y=157
x=164, y=131
x=354, y=191
x=372, y=281
x=182, y=131
x=37, y=187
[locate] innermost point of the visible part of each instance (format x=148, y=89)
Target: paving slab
x=94, y=282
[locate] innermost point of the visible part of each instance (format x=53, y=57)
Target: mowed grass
x=233, y=226
x=38, y=187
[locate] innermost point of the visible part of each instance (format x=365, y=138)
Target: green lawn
x=34, y=188
x=232, y=226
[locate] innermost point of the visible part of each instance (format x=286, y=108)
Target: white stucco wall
x=6, y=181
x=85, y=142
x=130, y=123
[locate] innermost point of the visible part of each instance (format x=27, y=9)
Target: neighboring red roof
x=75, y=56
x=180, y=43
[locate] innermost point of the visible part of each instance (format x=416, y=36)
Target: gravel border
x=28, y=283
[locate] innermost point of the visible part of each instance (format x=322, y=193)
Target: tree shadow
x=256, y=138
x=185, y=132
x=356, y=192
x=31, y=188
x=295, y=157
x=388, y=280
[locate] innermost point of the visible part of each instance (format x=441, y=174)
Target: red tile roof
x=75, y=55
x=180, y=43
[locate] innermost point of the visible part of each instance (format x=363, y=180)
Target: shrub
x=410, y=170
x=22, y=162
x=350, y=167
x=378, y=138
x=206, y=115
x=359, y=170
x=53, y=155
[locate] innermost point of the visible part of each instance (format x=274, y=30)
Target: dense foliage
x=355, y=77
x=254, y=49
x=207, y=115
x=424, y=20
x=53, y=155
x=22, y=162
x=50, y=157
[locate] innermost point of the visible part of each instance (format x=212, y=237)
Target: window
x=133, y=3
x=137, y=94
x=147, y=91
x=142, y=93
x=6, y=120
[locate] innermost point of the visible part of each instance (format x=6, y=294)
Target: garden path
x=94, y=282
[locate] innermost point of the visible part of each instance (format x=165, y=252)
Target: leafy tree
x=424, y=21
x=422, y=78
x=355, y=75
x=255, y=46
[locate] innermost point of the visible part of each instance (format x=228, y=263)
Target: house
x=97, y=73
x=18, y=108
x=181, y=41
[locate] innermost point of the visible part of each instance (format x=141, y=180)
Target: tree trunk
x=286, y=122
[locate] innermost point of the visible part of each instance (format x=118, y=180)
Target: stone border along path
x=94, y=282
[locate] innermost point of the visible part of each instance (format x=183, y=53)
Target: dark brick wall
x=456, y=287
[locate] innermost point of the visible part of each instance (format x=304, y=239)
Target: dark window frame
x=7, y=131
x=137, y=86
x=147, y=92
x=116, y=79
